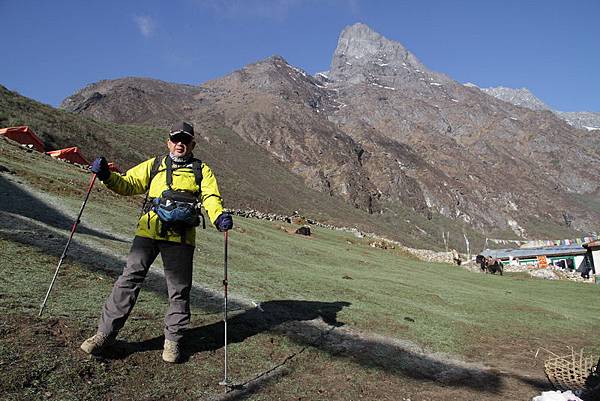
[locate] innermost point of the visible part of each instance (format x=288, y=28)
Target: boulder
x=303, y=231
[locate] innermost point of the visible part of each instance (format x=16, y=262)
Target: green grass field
x=368, y=295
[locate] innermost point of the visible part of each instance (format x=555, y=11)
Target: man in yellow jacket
x=176, y=184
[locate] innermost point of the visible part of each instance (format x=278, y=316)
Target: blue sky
x=53, y=48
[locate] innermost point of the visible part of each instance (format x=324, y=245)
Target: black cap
x=182, y=127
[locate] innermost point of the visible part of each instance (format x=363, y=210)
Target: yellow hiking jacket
x=136, y=180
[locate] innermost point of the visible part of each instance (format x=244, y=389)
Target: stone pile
x=548, y=273
x=293, y=219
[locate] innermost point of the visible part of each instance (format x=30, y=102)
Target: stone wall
x=377, y=241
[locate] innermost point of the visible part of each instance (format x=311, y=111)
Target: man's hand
x=100, y=168
x=224, y=222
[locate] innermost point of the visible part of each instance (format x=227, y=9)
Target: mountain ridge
x=427, y=143
x=525, y=98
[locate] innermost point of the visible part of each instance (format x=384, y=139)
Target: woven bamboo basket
x=575, y=372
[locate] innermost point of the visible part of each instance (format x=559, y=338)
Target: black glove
x=224, y=222
x=100, y=168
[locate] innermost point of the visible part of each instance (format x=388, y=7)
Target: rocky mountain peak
x=272, y=75
x=382, y=129
x=363, y=55
x=360, y=41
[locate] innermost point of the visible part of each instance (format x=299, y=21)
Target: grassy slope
x=498, y=319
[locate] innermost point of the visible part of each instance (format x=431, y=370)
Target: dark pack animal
x=489, y=264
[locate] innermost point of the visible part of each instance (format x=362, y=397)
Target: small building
x=568, y=257
x=25, y=136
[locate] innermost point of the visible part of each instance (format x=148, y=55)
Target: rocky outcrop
x=519, y=97
x=523, y=97
x=587, y=120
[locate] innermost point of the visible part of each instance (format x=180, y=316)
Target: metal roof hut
x=564, y=256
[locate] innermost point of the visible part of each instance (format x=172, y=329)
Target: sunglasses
x=181, y=138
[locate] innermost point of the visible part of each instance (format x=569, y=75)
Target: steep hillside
x=133, y=100
x=249, y=176
x=491, y=163
x=385, y=133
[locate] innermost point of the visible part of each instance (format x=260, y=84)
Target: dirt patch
x=436, y=299
x=535, y=309
x=320, y=362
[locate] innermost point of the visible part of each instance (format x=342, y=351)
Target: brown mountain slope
x=503, y=164
x=385, y=133
x=249, y=176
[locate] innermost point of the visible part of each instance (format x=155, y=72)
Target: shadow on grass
x=308, y=323
x=249, y=323
x=16, y=201
x=315, y=324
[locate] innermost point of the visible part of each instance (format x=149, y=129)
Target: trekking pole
x=226, y=382
x=73, y=228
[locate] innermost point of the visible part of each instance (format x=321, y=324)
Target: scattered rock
x=547, y=274
x=409, y=319
x=303, y=231
x=347, y=277
x=381, y=244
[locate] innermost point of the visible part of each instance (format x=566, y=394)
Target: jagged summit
x=363, y=55
x=360, y=41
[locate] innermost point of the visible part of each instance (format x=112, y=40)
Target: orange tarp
x=25, y=136
x=72, y=155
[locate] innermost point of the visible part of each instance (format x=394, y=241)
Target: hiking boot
x=98, y=342
x=171, y=352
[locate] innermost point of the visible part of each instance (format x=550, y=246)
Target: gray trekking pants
x=177, y=261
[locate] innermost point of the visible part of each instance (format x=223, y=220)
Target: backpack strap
x=197, y=169
x=153, y=171
x=169, y=165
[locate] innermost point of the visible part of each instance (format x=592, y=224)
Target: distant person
x=176, y=184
